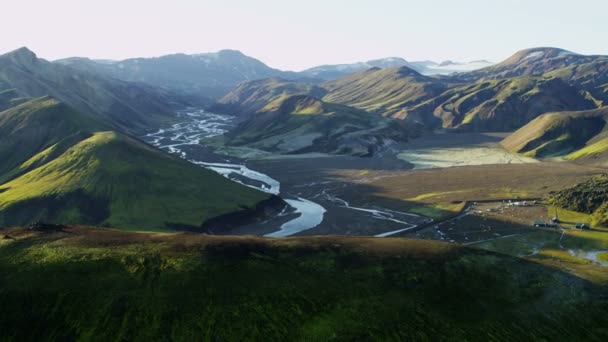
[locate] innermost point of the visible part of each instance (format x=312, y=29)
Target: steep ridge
x=383, y=91
x=498, y=105
x=211, y=74
x=588, y=73
x=254, y=96
x=61, y=166
x=332, y=72
x=128, y=106
x=575, y=135
x=528, y=62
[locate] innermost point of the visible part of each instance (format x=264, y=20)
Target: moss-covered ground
x=89, y=284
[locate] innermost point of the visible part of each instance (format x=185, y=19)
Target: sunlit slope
x=383, y=91
x=62, y=167
x=575, y=135
x=255, y=96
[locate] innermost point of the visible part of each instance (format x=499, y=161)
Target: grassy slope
x=505, y=105
x=107, y=285
x=37, y=125
x=262, y=95
x=494, y=105
x=58, y=166
x=113, y=180
x=383, y=91
x=560, y=134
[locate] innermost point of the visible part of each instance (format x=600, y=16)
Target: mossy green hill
x=100, y=285
x=578, y=136
x=63, y=167
x=256, y=96
x=383, y=91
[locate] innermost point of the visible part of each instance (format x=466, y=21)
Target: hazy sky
x=299, y=34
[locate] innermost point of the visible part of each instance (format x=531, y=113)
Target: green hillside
x=497, y=105
x=503, y=97
x=383, y=91
x=63, y=167
x=124, y=286
x=38, y=125
x=301, y=123
x=574, y=135
x=506, y=104
x=251, y=97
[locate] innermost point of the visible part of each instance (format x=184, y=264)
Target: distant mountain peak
x=230, y=52
x=537, y=53
x=447, y=63
x=407, y=71
x=22, y=55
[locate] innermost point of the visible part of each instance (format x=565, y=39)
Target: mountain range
x=209, y=76
x=126, y=105
x=69, y=154
x=500, y=98
x=62, y=166
x=68, y=128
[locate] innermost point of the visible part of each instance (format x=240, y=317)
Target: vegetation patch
x=116, y=285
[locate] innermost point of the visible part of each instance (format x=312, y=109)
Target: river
x=196, y=124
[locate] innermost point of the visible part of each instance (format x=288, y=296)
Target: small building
x=539, y=224
x=583, y=226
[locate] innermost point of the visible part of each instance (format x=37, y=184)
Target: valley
x=313, y=204
x=381, y=196
x=209, y=196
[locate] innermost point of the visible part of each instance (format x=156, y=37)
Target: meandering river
x=197, y=124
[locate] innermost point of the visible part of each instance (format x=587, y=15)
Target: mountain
x=433, y=102
x=210, y=75
x=578, y=136
x=590, y=197
x=61, y=166
x=449, y=67
x=428, y=68
x=128, y=106
x=383, y=91
x=497, y=105
x=542, y=61
x=332, y=72
x=251, y=97
x=301, y=123
x=101, y=284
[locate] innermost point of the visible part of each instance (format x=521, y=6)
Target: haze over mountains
x=362, y=110
x=215, y=74
x=222, y=144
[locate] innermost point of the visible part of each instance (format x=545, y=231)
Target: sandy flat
x=461, y=156
x=447, y=150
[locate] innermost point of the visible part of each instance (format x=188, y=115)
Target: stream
x=197, y=124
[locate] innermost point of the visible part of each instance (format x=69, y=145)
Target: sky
x=294, y=35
